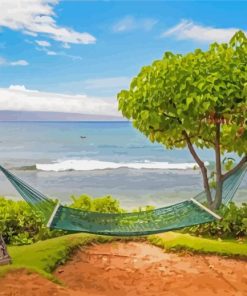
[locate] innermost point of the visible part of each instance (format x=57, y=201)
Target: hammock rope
x=183, y=214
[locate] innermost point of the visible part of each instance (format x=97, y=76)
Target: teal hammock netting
x=186, y=213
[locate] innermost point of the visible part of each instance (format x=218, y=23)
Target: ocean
x=61, y=159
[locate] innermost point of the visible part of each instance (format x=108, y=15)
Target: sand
x=134, y=268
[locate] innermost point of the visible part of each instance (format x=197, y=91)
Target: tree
x=4, y=256
x=195, y=100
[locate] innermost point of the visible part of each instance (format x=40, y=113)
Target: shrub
x=105, y=204
x=233, y=224
x=19, y=224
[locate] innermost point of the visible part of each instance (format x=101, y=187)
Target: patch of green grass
x=44, y=256
x=173, y=241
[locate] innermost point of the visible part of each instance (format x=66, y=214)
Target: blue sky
x=92, y=48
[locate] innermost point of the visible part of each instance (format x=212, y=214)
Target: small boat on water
x=83, y=137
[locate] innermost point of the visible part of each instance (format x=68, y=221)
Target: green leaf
x=189, y=100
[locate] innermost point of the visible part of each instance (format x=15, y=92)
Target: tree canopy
x=197, y=99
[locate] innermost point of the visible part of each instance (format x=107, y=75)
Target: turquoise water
x=29, y=143
x=97, y=158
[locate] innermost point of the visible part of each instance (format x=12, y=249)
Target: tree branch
x=201, y=165
x=191, y=148
x=172, y=117
x=155, y=130
x=176, y=118
x=205, y=140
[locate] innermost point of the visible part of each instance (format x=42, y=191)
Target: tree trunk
x=218, y=195
x=206, y=184
x=219, y=180
x=4, y=256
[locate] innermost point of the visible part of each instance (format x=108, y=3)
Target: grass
x=44, y=256
x=173, y=241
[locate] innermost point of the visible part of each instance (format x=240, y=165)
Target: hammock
x=186, y=213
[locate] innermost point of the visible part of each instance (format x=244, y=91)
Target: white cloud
x=52, y=53
x=129, y=23
x=43, y=43
x=18, y=98
x=19, y=63
x=4, y=62
x=189, y=30
x=35, y=17
x=58, y=53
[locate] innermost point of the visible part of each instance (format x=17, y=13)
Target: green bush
x=19, y=224
x=105, y=204
x=142, y=209
x=233, y=224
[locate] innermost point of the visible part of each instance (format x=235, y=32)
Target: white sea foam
x=89, y=165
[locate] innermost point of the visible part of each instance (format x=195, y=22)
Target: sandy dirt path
x=135, y=268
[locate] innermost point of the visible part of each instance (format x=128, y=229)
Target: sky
x=75, y=56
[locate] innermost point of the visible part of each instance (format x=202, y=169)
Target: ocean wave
x=89, y=165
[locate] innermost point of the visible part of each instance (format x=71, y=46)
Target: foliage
x=145, y=208
x=191, y=92
x=19, y=224
x=198, y=99
x=228, y=163
x=233, y=224
x=177, y=241
x=105, y=204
